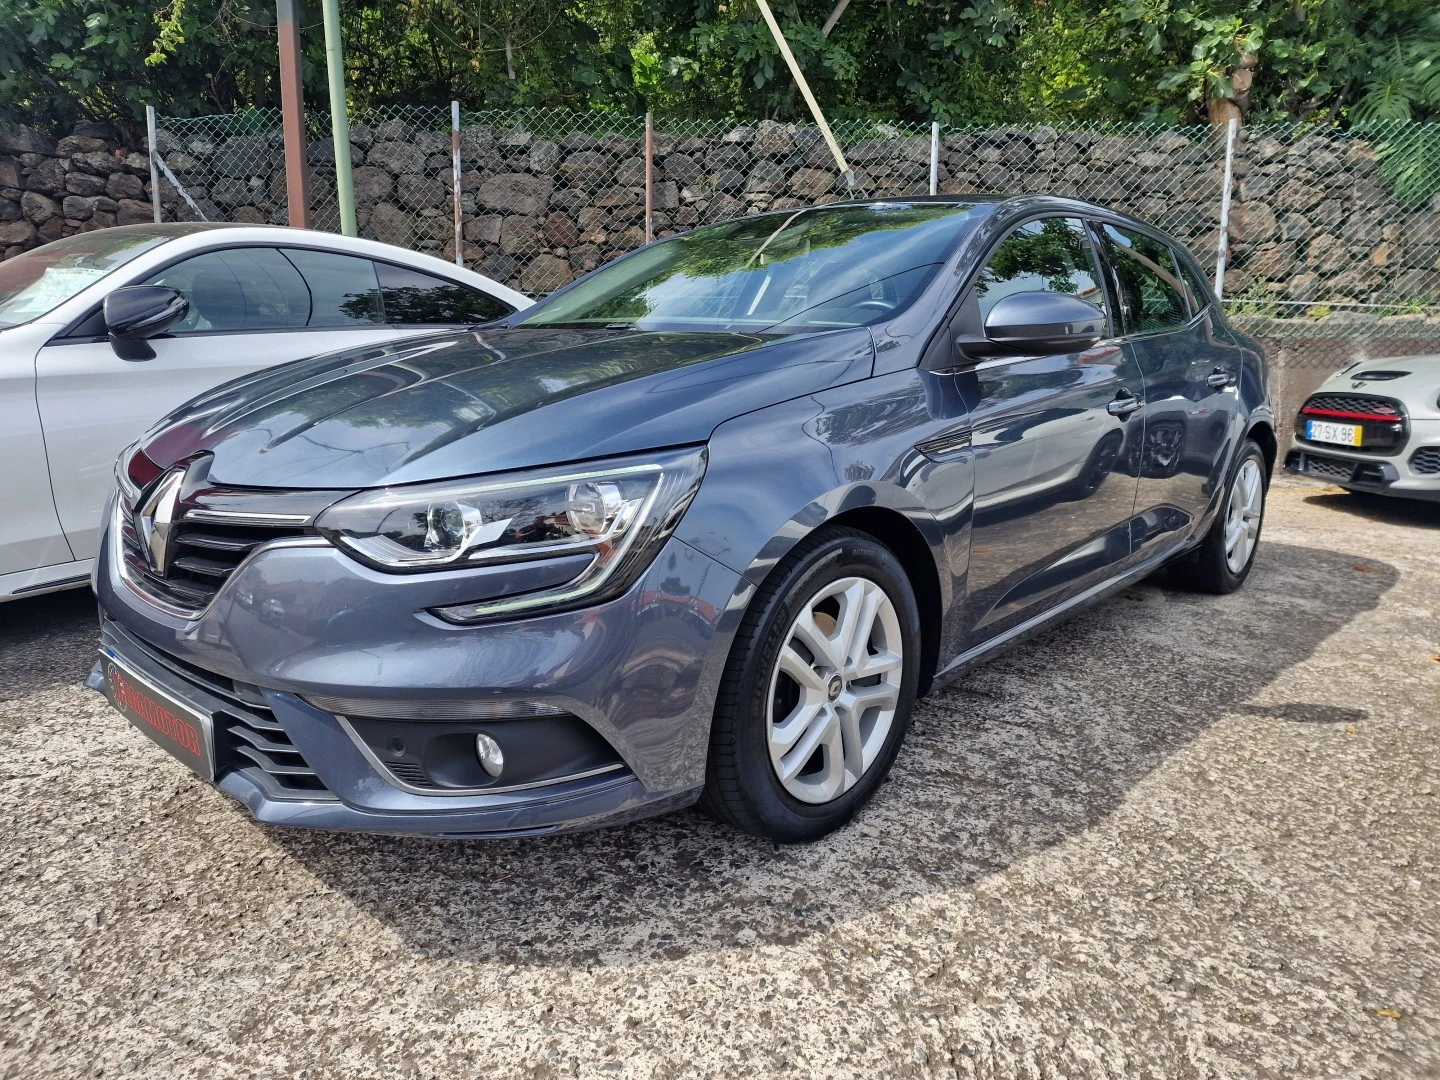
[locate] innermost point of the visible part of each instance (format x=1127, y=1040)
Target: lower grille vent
x=1335, y=468
x=248, y=738
x=255, y=740
x=1426, y=460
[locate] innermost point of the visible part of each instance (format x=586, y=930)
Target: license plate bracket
x=185, y=733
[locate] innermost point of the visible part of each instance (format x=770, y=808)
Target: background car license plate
x=182, y=731
x=1324, y=431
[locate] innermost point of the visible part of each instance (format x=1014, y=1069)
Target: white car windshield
x=39, y=281
x=816, y=269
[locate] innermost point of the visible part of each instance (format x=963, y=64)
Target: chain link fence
x=1334, y=235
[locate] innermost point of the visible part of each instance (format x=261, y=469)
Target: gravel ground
x=1178, y=837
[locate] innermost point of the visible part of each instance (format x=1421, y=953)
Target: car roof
x=195, y=235
x=991, y=204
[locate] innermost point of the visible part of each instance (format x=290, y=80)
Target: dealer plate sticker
x=182, y=731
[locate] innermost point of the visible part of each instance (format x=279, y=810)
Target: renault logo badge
x=154, y=517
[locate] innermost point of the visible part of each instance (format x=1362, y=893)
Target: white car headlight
x=619, y=511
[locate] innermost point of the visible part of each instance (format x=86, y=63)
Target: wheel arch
x=1262, y=433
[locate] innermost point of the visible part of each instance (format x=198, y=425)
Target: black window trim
x=964, y=299
x=1097, y=266
x=1176, y=252
x=64, y=336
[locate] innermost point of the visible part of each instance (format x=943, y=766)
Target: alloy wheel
x=834, y=689
x=1242, y=519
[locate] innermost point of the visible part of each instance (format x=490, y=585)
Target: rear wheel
x=817, y=692
x=1223, y=560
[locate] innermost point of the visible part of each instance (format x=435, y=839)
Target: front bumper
x=1413, y=472
x=309, y=622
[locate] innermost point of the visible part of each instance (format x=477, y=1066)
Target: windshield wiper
x=582, y=325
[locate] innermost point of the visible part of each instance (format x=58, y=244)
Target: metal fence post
x=649, y=177
x=455, y=177
x=154, y=172
x=934, y=157
x=1223, y=247
x=339, y=121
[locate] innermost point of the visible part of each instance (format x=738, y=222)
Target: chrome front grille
x=203, y=555
x=180, y=536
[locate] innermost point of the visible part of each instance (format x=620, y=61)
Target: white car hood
x=1412, y=380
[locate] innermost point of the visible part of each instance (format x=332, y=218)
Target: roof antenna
x=845, y=171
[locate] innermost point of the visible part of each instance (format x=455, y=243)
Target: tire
x=1214, y=566
x=763, y=705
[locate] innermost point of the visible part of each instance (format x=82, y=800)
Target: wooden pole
x=814, y=105
x=292, y=113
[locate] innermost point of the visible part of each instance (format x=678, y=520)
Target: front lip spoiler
x=627, y=798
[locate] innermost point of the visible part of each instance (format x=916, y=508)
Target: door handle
x=1123, y=404
x=1219, y=379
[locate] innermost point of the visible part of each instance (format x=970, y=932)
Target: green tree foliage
x=957, y=61
x=63, y=60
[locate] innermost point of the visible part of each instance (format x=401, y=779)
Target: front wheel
x=818, y=690
x=1223, y=560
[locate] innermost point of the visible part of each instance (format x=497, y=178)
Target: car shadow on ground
x=1029, y=751
x=45, y=642
x=1381, y=509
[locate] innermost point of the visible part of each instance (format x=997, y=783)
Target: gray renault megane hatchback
x=699, y=527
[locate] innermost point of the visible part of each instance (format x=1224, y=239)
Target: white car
x=88, y=361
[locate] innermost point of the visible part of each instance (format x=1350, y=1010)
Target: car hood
x=1412, y=380
x=480, y=401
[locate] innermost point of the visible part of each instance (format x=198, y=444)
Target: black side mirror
x=1038, y=324
x=138, y=312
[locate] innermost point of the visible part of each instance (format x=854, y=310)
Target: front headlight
x=619, y=511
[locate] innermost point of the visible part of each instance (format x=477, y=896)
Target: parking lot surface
x=1179, y=836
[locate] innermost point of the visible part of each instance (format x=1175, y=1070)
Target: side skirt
x=47, y=579
x=986, y=650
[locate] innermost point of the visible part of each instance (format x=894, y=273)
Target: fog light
x=492, y=759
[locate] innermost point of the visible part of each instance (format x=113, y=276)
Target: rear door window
x=413, y=298
x=343, y=290
x=1152, y=296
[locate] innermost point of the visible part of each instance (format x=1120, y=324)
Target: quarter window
x=1049, y=255
x=1195, y=285
x=414, y=298
x=1152, y=296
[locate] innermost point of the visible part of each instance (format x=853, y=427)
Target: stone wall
x=84, y=181
x=1313, y=221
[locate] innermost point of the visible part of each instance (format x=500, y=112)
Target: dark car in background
x=701, y=526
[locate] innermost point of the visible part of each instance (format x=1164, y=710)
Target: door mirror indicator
x=138, y=312
x=1037, y=324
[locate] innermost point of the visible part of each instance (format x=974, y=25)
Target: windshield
x=41, y=280
x=824, y=268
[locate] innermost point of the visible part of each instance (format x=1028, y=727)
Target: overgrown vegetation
x=957, y=61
